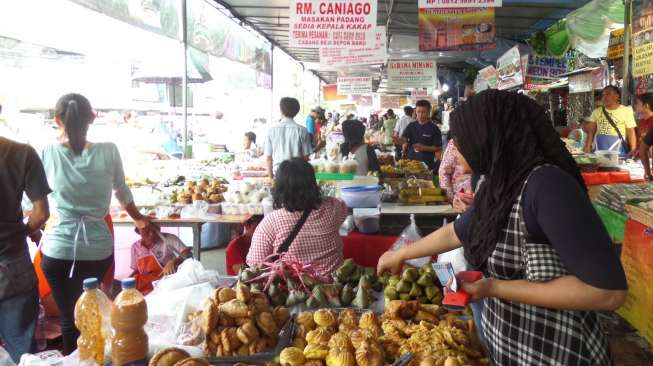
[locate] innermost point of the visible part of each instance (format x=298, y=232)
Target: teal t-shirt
x=81, y=197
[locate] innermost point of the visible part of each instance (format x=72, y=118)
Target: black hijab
x=354, y=133
x=503, y=136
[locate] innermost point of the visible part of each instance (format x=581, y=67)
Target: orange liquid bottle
x=129, y=346
x=91, y=318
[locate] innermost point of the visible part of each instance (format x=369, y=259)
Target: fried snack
x=229, y=340
x=168, y=357
x=210, y=317
x=358, y=336
x=259, y=345
x=292, y=356
x=431, y=308
x=281, y=315
x=394, y=327
x=225, y=294
x=247, y=332
x=315, y=351
x=368, y=355
x=428, y=361
x=299, y=342
x=242, y=292
x=318, y=336
x=368, y=320
x=214, y=337
x=399, y=309
x=324, y=318
x=344, y=328
x=305, y=318
x=424, y=316
x=348, y=317
x=340, y=357
x=265, y=322
x=314, y=363
x=302, y=331
x=241, y=321
x=225, y=320
x=243, y=350
x=257, y=306
x=340, y=340
x=235, y=308
x=450, y=361
x=193, y=362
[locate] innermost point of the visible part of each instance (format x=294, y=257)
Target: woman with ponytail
x=548, y=261
x=83, y=176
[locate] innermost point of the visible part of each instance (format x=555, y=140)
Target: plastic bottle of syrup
x=92, y=319
x=128, y=316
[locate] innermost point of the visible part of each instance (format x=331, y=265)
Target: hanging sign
x=431, y=4
x=330, y=93
x=642, y=39
x=331, y=58
x=363, y=100
x=580, y=83
x=352, y=85
x=393, y=101
x=616, y=44
x=412, y=74
x=509, y=69
x=459, y=29
x=420, y=94
x=546, y=67
x=489, y=74
x=332, y=23
x=598, y=78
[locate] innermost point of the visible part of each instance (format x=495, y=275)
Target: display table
x=431, y=210
x=613, y=221
x=366, y=249
x=395, y=217
x=194, y=224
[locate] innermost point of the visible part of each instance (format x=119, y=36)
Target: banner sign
x=509, y=69
x=393, y=101
x=333, y=23
x=616, y=44
x=331, y=58
x=412, y=74
x=431, y=4
x=461, y=29
x=546, y=67
x=489, y=74
x=330, y=93
x=363, y=100
x=421, y=94
x=642, y=39
x=350, y=85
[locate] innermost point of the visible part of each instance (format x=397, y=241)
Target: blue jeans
x=18, y=317
x=477, y=312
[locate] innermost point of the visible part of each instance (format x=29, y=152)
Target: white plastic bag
x=456, y=257
x=190, y=272
x=410, y=235
x=52, y=358
x=5, y=359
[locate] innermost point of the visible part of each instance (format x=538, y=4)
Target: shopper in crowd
x=454, y=177
x=287, y=139
x=400, y=127
x=304, y=225
x=422, y=139
x=373, y=122
x=21, y=172
x=155, y=255
x=237, y=249
x=613, y=125
x=311, y=121
x=541, y=271
x=355, y=146
x=82, y=175
x=249, y=145
x=644, y=106
x=389, y=126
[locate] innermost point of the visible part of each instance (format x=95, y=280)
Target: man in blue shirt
x=422, y=139
x=287, y=139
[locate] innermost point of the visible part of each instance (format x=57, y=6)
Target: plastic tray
x=334, y=176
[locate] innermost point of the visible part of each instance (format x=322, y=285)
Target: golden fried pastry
x=313, y=363
x=247, y=332
x=325, y=318
x=281, y=315
x=348, y=317
x=368, y=320
x=259, y=345
x=340, y=357
x=235, y=308
x=305, y=318
x=225, y=320
x=168, y=357
x=425, y=316
x=223, y=295
x=229, y=339
x=243, y=350
x=299, y=342
x=265, y=322
x=340, y=340
x=358, y=336
x=346, y=329
x=302, y=331
x=367, y=355
x=315, y=351
x=258, y=306
x=193, y=362
x=318, y=336
x=292, y=356
x=242, y=292
x=210, y=317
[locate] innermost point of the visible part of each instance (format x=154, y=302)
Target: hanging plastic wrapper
x=410, y=235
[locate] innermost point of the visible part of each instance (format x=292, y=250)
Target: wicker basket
x=639, y=214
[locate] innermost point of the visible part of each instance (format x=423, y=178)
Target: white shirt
x=445, y=121
x=402, y=124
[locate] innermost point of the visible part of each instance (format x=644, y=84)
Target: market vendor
x=644, y=106
x=613, y=125
x=355, y=146
x=237, y=249
x=522, y=231
x=304, y=225
x=82, y=176
x=156, y=255
x=422, y=138
x=250, y=149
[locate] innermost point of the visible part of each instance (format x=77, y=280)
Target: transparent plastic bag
x=410, y=235
x=456, y=257
x=347, y=226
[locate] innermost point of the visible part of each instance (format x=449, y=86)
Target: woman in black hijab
x=545, y=254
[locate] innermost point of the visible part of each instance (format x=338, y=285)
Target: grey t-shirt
x=20, y=171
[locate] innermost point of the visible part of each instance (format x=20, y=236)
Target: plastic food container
x=608, y=157
x=367, y=224
x=361, y=196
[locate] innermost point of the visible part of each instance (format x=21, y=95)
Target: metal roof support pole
x=184, y=83
x=626, y=69
x=271, y=82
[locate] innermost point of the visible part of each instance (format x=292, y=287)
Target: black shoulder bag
x=624, y=143
x=293, y=234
